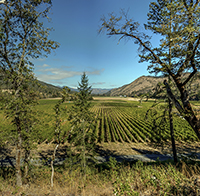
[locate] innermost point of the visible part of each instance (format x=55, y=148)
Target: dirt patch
x=46, y=150
x=145, y=148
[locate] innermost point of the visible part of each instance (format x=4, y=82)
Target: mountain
x=44, y=89
x=141, y=85
x=145, y=84
x=95, y=91
x=99, y=91
x=49, y=90
x=49, y=86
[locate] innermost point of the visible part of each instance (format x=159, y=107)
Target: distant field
x=117, y=98
x=117, y=120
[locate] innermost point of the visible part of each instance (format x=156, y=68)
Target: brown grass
x=169, y=178
x=137, y=179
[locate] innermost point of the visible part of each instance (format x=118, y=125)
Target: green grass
x=127, y=117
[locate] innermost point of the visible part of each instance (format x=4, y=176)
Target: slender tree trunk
x=84, y=162
x=26, y=161
x=169, y=100
x=19, y=140
x=52, y=168
x=18, y=158
x=84, y=149
x=172, y=132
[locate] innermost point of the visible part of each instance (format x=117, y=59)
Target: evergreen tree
x=82, y=120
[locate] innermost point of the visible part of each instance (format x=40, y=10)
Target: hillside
x=146, y=84
x=49, y=90
x=45, y=90
x=99, y=91
x=141, y=85
x=95, y=91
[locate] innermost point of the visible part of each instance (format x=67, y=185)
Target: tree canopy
x=177, y=22
x=82, y=122
x=23, y=38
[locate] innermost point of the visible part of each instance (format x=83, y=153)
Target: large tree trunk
x=186, y=111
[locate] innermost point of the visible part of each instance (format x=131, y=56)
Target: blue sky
x=107, y=64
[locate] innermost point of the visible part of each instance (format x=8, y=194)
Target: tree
x=59, y=133
x=82, y=120
x=23, y=37
x=172, y=131
x=177, y=22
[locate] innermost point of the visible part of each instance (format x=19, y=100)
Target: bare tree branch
x=141, y=43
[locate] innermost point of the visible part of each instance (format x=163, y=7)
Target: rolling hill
x=146, y=84
x=95, y=91
x=141, y=85
x=99, y=91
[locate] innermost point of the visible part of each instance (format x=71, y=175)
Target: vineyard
x=125, y=122
x=116, y=121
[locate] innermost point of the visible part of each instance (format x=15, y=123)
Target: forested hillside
x=44, y=90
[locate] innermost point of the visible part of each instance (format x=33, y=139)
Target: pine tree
x=82, y=119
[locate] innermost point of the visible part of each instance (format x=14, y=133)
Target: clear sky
x=107, y=64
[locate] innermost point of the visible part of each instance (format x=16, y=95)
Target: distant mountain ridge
x=141, y=85
x=146, y=84
x=99, y=91
x=95, y=91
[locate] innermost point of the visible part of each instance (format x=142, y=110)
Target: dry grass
x=134, y=179
x=111, y=179
x=65, y=183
